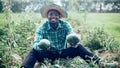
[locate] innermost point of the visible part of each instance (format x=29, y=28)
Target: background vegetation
x=100, y=32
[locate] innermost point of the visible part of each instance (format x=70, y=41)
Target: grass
x=110, y=21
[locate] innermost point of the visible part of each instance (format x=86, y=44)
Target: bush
x=4, y=48
x=21, y=42
x=23, y=33
x=117, y=58
x=68, y=63
x=98, y=39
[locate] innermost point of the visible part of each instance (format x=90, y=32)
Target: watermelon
x=73, y=39
x=44, y=44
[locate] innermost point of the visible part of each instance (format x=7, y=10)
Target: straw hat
x=46, y=8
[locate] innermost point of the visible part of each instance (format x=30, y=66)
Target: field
x=110, y=21
x=23, y=26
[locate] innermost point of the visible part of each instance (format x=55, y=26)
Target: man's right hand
x=36, y=47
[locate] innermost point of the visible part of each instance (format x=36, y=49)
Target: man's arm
x=38, y=37
x=68, y=29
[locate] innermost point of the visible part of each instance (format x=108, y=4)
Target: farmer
x=56, y=31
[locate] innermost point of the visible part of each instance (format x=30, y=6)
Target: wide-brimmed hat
x=44, y=10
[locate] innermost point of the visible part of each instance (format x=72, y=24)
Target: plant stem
x=8, y=17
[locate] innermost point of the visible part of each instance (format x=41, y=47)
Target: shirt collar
x=59, y=25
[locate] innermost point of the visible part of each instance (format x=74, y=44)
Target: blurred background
x=97, y=6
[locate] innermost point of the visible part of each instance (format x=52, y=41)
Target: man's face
x=53, y=16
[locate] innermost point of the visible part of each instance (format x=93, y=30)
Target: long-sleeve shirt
x=56, y=37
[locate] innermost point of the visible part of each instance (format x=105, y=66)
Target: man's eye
x=51, y=14
x=54, y=14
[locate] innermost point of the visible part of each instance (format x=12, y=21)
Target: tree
x=1, y=6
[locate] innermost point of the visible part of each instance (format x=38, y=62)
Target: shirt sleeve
x=38, y=37
x=68, y=29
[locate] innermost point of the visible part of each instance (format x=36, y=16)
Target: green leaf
x=17, y=57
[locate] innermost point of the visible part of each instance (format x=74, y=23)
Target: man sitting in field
x=55, y=33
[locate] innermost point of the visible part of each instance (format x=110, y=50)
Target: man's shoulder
x=43, y=26
x=64, y=23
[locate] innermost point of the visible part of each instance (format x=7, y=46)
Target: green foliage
x=23, y=27
x=98, y=39
x=95, y=39
x=21, y=41
x=23, y=33
x=68, y=63
x=118, y=58
x=4, y=38
x=109, y=21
